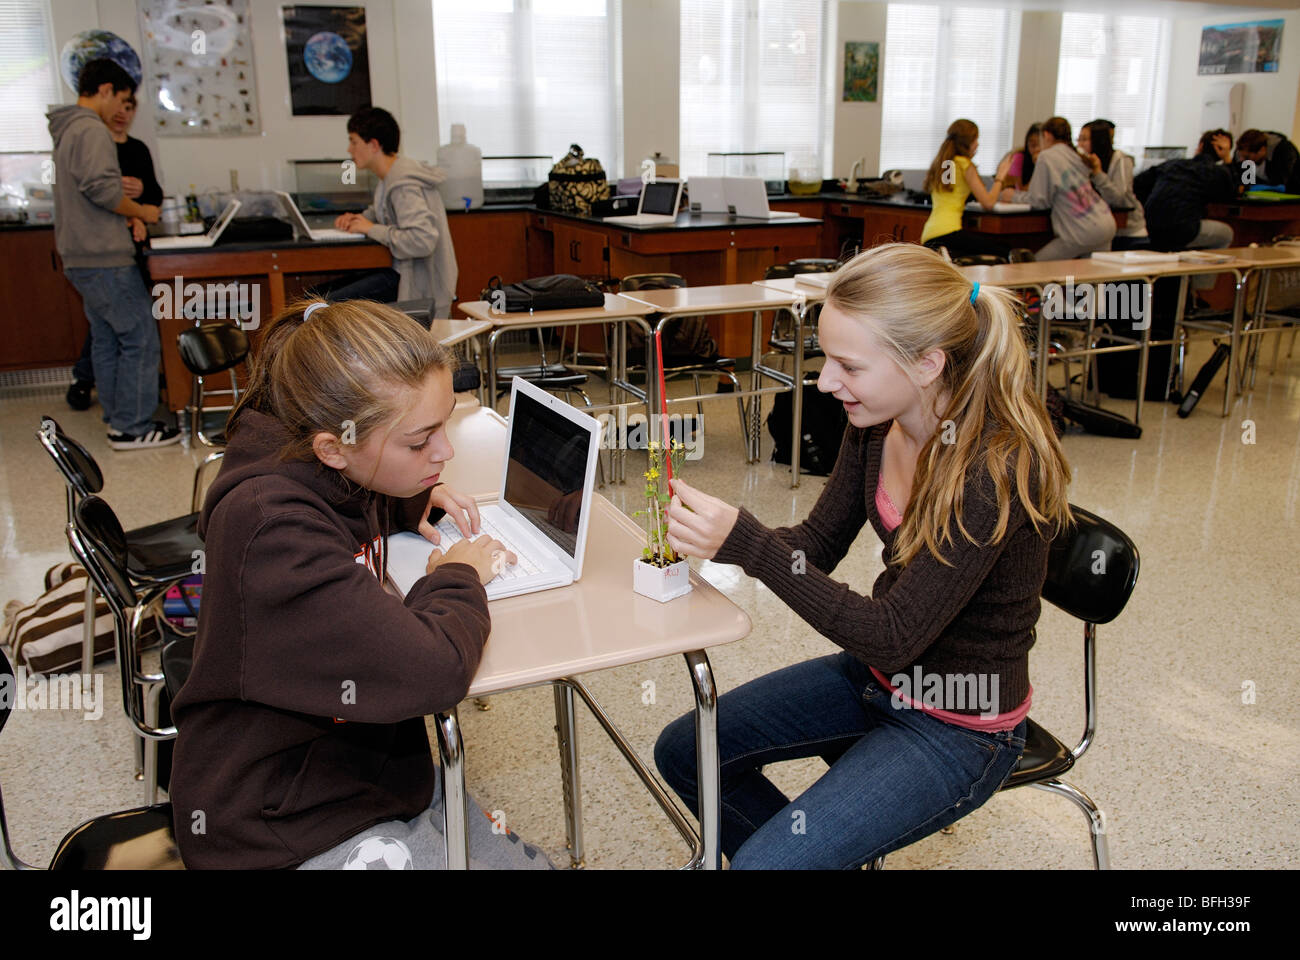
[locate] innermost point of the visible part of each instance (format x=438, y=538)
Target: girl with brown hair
x=302, y=739
x=950, y=181
x=951, y=458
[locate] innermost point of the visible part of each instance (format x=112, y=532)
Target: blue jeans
x=896, y=774
x=125, y=350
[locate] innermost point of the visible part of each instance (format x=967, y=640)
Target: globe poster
x=198, y=65
x=329, y=65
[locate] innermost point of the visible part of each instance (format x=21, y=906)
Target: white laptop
x=206, y=240
x=659, y=202
x=548, y=482
x=708, y=195
x=747, y=197
x=303, y=229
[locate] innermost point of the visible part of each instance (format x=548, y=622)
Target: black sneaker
x=79, y=395
x=159, y=435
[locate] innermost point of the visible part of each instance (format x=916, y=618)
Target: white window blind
x=28, y=79
x=944, y=64
x=1114, y=68
x=753, y=77
x=530, y=77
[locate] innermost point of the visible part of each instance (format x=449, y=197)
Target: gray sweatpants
x=418, y=844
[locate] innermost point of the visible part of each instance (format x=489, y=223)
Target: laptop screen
x=547, y=470
x=660, y=197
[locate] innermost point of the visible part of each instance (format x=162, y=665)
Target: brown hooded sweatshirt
x=301, y=723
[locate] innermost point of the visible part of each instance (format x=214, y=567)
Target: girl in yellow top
x=951, y=181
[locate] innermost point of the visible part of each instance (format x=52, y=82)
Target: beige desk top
x=718, y=299
x=811, y=292
x=615, y=308
x=1267, y=257
x=452, y=332
x=597, y=622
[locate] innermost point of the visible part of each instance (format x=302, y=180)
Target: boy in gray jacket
x=1080, y=218
x=94, y=240
x=407, y=216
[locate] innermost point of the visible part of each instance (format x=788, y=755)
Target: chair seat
x=554, y=376
x=1045, y=758
x=163, y=551
x=139, y=839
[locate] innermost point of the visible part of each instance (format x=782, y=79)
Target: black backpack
x=824, y=421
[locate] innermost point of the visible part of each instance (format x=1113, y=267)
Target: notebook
x=303, y=229
x=543, y=507
x=205, y=240
x=659, y=202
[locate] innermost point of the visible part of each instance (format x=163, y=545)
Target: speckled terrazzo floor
x=1188, y=775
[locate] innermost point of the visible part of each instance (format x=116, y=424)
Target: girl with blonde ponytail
x=950, y=456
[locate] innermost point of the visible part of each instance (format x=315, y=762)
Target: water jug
x=463, y=164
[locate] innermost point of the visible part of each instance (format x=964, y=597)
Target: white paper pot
x=661, y=583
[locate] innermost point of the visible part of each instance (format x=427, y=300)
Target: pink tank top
x=891, y=518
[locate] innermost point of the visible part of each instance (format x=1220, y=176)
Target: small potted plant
x=660, y=573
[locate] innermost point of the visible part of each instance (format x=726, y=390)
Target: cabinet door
x=579, y=251
x=41, y=318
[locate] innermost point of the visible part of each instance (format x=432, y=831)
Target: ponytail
x=915, y=302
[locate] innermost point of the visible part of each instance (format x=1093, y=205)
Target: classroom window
x=942, y=64
x=1114, y=68
x=754, y=77
x=530, y=77
x=29, y=82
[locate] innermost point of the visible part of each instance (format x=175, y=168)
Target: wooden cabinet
x=44, y=324
x=579, y=250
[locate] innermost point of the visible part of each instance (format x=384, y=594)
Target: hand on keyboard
x=487, y=556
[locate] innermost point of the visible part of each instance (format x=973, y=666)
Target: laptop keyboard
x=527, y=565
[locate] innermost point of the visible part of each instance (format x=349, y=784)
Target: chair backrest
x=212, y=347
x=1092, y=568
x=652, y=281
x=74, y=461
x=813, y=265
x=104, y=540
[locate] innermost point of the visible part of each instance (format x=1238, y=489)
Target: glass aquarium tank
x=770, y=165
x=514, y=179
x=26, y=195
x=319, y=187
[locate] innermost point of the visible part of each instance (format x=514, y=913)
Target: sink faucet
x=852, y=186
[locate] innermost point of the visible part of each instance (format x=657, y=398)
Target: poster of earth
x=329, y=65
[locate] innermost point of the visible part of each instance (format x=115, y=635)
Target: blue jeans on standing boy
x=125, y=348
x=896, y=774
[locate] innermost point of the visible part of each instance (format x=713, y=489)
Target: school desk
x=598, y=622
x=755, y=299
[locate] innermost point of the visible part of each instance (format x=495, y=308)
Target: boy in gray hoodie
x=407, y=216
x=93, y=238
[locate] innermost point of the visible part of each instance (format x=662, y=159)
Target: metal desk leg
x=1238, y=303
x=755, y=382
x=455, y=825
x=1144, y=352
x=88, y=631
x=566, y=732
x=796, y=441
x=706, y=757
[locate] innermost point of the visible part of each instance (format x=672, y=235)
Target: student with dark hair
x=92, y=211
x=953, y=178
x=407, y=216
x=1080, y=218
x=140, y=184
x=1276, y=161
x=1112, y=175
x=1178, y=192
x=1021, y=169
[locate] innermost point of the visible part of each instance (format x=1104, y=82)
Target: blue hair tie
x=321, y=303
x=974, y=292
